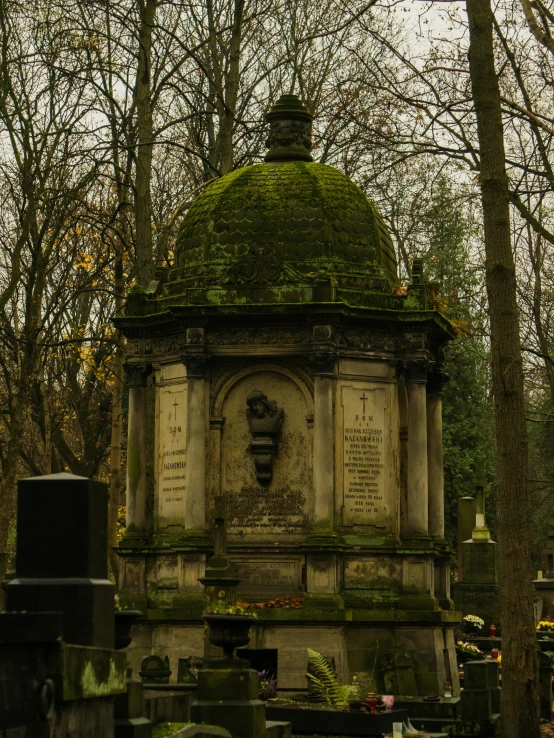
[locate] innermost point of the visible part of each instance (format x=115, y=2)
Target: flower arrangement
x=546, y=625
x=222, y=607
x=468, y=651
x=268, y=686
x=473, y=622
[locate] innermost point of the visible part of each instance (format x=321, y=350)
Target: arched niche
x=261, y=510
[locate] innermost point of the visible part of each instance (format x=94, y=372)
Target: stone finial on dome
x=290, y=130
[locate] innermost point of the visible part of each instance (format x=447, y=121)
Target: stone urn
x=229, y=631
x=124, y=619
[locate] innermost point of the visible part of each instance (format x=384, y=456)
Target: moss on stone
x=306, y=214
x=162, y=730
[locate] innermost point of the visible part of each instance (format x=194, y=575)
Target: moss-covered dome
x=287, y=220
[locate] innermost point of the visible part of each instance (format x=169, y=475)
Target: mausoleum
x=278, y=365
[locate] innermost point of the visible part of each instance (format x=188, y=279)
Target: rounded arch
x=230, y=378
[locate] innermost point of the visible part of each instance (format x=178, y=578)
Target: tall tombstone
x=61, y=558
x=466, y=523
x=476, y=592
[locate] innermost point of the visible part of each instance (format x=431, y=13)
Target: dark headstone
x=62, y=527
x=481, y=693
x=61, y=559
x=155, y=670
x=29, y=645
x=546, y=669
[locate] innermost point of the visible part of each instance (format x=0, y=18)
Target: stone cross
x=480, y=532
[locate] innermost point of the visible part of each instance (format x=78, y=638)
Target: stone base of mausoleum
x=403, y=651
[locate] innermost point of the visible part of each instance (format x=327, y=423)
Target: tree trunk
x=144, y=268
x=520, y=696
x=116, y=484
x=8, y=483
x=227, y=121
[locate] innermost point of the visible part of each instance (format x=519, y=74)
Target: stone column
x=434, y=454
x=137, y=375
x=323, y=443
x=418, y=500
x=197, y=408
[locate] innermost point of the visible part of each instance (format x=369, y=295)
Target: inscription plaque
x=275, y=576
x=265, y=510
x=364, y=456
x=172, y=465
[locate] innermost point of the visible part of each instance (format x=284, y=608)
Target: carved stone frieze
x=369, y=340
x=139, y=346
x=169, y=344
x=411, y=341
x=259, y=336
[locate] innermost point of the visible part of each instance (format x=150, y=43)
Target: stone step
x=277, y=729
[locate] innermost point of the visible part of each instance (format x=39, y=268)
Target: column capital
x=137, y=374
x=323, y=363
x=196, y=364
x=416, y=370
x=436, y=381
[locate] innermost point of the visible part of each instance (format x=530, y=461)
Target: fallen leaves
x=288, y=602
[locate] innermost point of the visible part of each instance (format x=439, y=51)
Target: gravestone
x=155, y=670
x=59, y=671
x=466, y=524
x=477, y=592
x=61, y=558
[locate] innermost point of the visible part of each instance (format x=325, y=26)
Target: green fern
x=346, y=694
x=324, y=682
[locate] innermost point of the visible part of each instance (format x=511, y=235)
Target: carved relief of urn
x=265, y=420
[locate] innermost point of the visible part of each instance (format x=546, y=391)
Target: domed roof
x=288, y=219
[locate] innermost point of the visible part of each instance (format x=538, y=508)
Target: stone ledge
x=293, y=616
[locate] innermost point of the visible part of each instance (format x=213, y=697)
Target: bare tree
x=520, y=694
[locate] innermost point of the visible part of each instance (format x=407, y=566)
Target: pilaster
x=435, y=385
x=323, y=363
x=197, y=421
x=417, y=525
x=137, y=377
